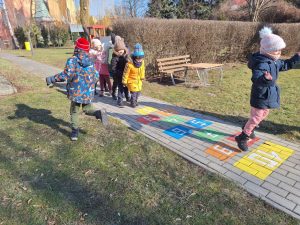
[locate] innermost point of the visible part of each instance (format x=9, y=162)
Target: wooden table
x=202, y=71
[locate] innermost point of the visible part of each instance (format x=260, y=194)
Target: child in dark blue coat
x=265, y=93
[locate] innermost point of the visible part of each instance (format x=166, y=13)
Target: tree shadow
x=41, y=116
x=84, y=196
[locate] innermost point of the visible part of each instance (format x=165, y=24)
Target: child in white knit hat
x=265, y=94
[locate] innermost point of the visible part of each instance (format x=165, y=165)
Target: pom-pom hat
x=270, y=42
x=138, y=51
x=83, y=44
x=96, y=42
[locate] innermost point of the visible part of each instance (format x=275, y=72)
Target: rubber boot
x=242, y=140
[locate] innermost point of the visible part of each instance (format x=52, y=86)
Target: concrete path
x=270, y=170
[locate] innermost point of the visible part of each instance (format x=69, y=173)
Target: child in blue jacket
x=265, y=93
x=81, y=76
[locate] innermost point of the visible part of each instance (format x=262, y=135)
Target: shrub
x=45, y=35
x=206, y=41
x=59, y=35
x=20, y=35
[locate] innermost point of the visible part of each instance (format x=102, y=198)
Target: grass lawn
x=229, y=101
x=109, y=176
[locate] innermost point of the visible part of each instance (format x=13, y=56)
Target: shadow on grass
x=57, y=186
x=41, y=116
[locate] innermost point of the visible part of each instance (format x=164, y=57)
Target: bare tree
x=133, y=8
x=256, y=7
x=85, y=15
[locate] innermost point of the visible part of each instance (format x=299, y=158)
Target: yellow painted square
x=265, y=159
x=146, y=110
x=261, y=175
x=261, y=168
x=245, y=161
x=246, y=168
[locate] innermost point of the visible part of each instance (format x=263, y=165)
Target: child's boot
x=50, y=80
x=74, y=134
x=242, y=140
x=102, y=115
x=114, y=96
x=101, y=93
x=252, y=135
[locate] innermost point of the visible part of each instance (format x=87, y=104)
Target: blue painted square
x=199, y=123
x=178, y=132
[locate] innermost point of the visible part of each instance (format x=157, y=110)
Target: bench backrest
x=173, y=64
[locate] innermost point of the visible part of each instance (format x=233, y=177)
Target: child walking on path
x=119, y=59
x=134, y=74
x=96, y=55
x=265, y=93
x=81, y=76
x=104, y=72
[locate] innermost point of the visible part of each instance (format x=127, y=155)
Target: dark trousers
x=121, y=92
x=114, y=87
x=134, y=97
x=74, y=112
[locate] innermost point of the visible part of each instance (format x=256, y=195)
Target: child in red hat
x=81, y=75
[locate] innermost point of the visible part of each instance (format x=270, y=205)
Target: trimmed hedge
x=205, y=40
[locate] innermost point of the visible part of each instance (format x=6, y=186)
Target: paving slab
x=269, y=170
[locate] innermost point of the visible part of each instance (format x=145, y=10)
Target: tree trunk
x=11, y=31
x=84, y=15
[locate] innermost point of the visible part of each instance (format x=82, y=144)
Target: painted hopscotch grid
x=222, y=151
x=146, y=110
x=263, y=160
x=249, y=143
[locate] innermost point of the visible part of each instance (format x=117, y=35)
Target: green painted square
x=210, y=134
x=174, y=119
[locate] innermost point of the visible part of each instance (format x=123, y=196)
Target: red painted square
x=249, y=143
x=148, y=119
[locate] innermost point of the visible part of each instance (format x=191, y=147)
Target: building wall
x=19, y=14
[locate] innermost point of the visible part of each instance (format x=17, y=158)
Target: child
x=265, y=94
x=104, y=73
x=134, y=74
x=96, y=55
x=119, y=59
x=81, y=76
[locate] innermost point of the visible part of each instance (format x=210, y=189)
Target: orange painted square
x=222, y=151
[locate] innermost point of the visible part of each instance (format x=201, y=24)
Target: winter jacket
x=118, y=63
x=133, y=76
x=98, y=58
x=81, y=76
x=265, y=94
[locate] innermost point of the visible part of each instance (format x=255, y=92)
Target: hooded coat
x=81, y=77
x=265, y=94
x=133, y=76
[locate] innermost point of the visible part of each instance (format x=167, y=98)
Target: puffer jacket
x=265, y=94
x=118, y=63
x=81, y=77
x=133, y=76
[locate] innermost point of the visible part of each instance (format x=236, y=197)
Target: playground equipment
x=96, y=31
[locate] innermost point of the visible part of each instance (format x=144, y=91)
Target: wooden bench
x=171, y=65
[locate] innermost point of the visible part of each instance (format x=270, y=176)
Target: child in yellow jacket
x=134, y=74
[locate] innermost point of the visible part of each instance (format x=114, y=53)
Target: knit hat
x=138, y=51
x=83, y=44
x=270, y=42
x=96, y=42
x=119, y=44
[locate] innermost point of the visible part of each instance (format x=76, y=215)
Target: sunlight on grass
x=109, y=176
